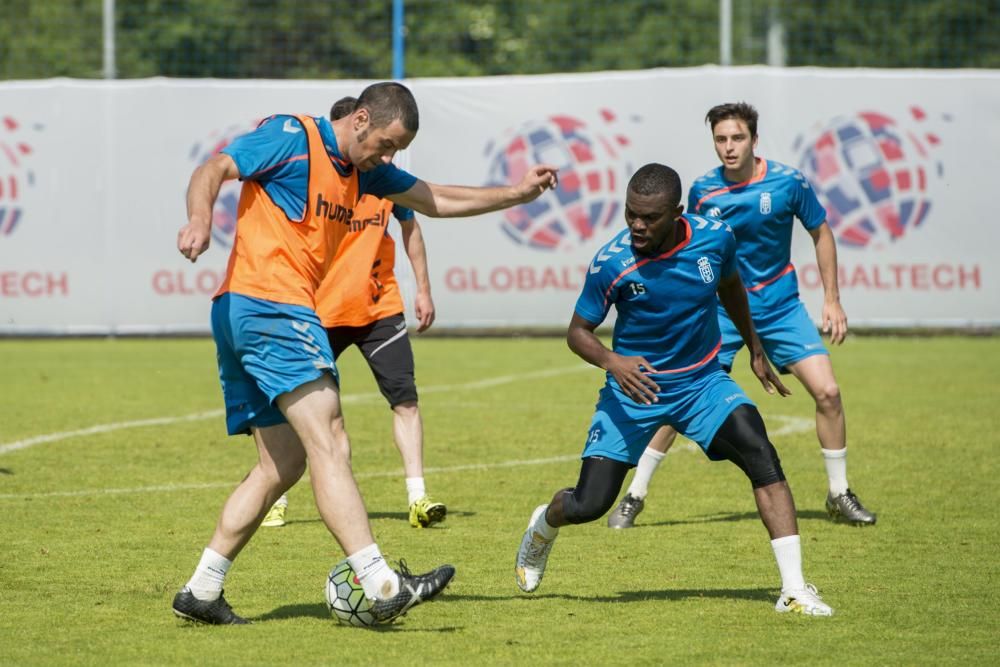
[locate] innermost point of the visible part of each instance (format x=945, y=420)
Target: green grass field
x=114, y=464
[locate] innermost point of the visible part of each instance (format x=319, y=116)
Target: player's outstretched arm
x=631, y=373
x=834, y=320
x=413, y=242
x=452, y=201
x=734, y=299
x=203, y=190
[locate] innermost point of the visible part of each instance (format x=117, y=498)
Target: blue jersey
x=667, y=305
x=761, y=212
x=276, y=155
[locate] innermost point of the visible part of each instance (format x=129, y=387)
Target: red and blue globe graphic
x=16, y=175
x=227, y=204
x=593, y=174
x=872, y=173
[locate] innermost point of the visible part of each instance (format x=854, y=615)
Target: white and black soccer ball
x=346, y=598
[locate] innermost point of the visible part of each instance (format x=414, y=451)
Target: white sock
x=415, y=489
x=836, y=469
x=283, y=500
x=542, y=526
x=788, y=553
x=206, y=582
x=648, y=463
x=376, y=577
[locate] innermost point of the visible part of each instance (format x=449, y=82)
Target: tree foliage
x=340, y=39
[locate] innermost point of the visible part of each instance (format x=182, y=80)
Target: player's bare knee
x=288, y=471
x=406, y=408
x=828, y=397
x=336, y=446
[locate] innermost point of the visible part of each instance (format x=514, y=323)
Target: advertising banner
x=93, y=178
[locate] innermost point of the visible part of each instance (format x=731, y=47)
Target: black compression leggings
x=596, y=491
x=742, y=439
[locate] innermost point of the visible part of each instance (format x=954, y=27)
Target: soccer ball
x=346, y=598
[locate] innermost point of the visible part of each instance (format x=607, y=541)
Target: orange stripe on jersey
x=361, y=284
x=722, y=191
x=697, y=364
x=785, y=271
x=682, y=244
x=297, y=158
x=283, y=260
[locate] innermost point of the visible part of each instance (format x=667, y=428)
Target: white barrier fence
x=93, y=175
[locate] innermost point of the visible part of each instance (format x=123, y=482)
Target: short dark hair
x=343, y=107
x=389, y=101
x=656, y=179
x=738, y=110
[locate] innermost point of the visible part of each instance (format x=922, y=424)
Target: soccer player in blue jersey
x=665, y=277
x=302, y=176
x=760, y=200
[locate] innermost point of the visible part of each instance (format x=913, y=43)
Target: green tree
x=47, y=39
x=341, y=39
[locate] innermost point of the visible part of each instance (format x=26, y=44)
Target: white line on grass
x=791, y=425
x=211, y=414
x=232, y=484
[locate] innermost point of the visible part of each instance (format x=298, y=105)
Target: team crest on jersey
x=705, y=269
x=715, y=212
x=765, y=203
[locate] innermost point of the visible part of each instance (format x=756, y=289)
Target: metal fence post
x=398, y=37
x=725, y=33
x=110, y=66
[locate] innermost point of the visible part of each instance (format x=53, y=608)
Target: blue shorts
x=265, y=349
x=695, y=405
x=787, y=334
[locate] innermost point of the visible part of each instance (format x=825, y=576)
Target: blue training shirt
x=761, y=212
x=276, y=155
x=667, y=305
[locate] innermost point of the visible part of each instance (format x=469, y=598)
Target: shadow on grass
x=405, y=516
x=6, y=471
x=320, y=611
x=729, y=516
x=397, y=516
x=674, y=595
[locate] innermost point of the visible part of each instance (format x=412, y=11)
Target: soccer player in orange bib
x=302, y=177
x=359, y=303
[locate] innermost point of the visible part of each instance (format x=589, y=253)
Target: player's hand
x=424, y=307
x=193, y=240
x=761, y=367
x=632, y=375
x=537, y=180
x=834, y=322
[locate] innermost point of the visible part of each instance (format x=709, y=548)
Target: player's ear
x=680, y=209
x=753, y=144
x=360, y=119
